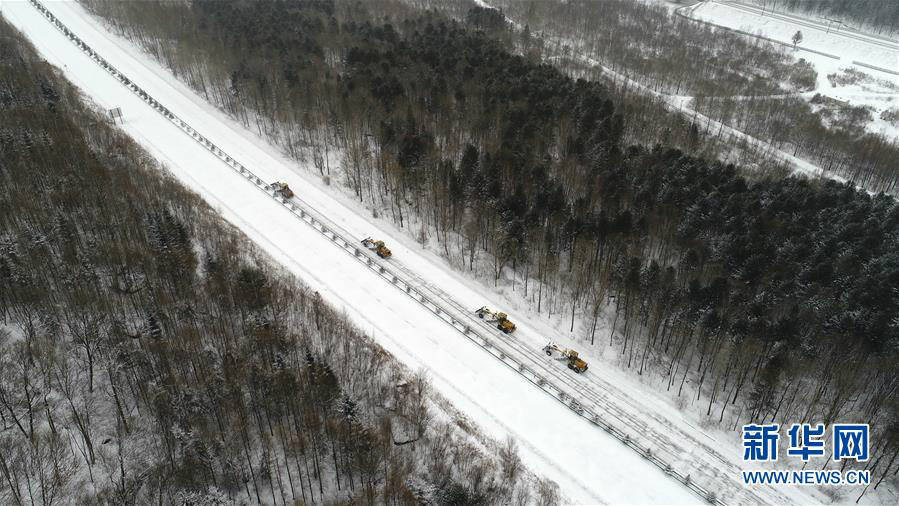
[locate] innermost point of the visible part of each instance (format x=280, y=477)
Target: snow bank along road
x=811, y=23
x=590, y=466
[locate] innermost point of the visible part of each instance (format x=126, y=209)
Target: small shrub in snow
x=891, y=116
x=848, y=77
x=803, y=75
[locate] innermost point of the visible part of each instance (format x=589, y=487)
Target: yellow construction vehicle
x=282, y=189
x=501, y=319
x=377, y=246
x=575, y=363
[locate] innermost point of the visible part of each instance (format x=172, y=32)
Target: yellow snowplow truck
x=282, y=189
x=574, y=362
x=501, y=319
x=377, y=246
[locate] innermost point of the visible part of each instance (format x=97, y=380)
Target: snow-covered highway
x=591, y=466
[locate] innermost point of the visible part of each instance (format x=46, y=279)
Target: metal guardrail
x=875, y=67
x=412, y=285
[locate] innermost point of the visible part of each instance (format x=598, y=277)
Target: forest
x=836, y=142
x=651, y=61
x=743, y=82
x=774, y=296
x=150, y=354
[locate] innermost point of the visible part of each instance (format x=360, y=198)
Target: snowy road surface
x=590, y=466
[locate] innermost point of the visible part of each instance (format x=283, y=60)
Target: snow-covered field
x=880, y=91
x=590, y=466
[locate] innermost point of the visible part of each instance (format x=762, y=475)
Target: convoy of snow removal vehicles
x=501, y=319
x=574, y=362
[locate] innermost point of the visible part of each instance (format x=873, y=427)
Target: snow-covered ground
x=880, y=91
x=590, y=466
